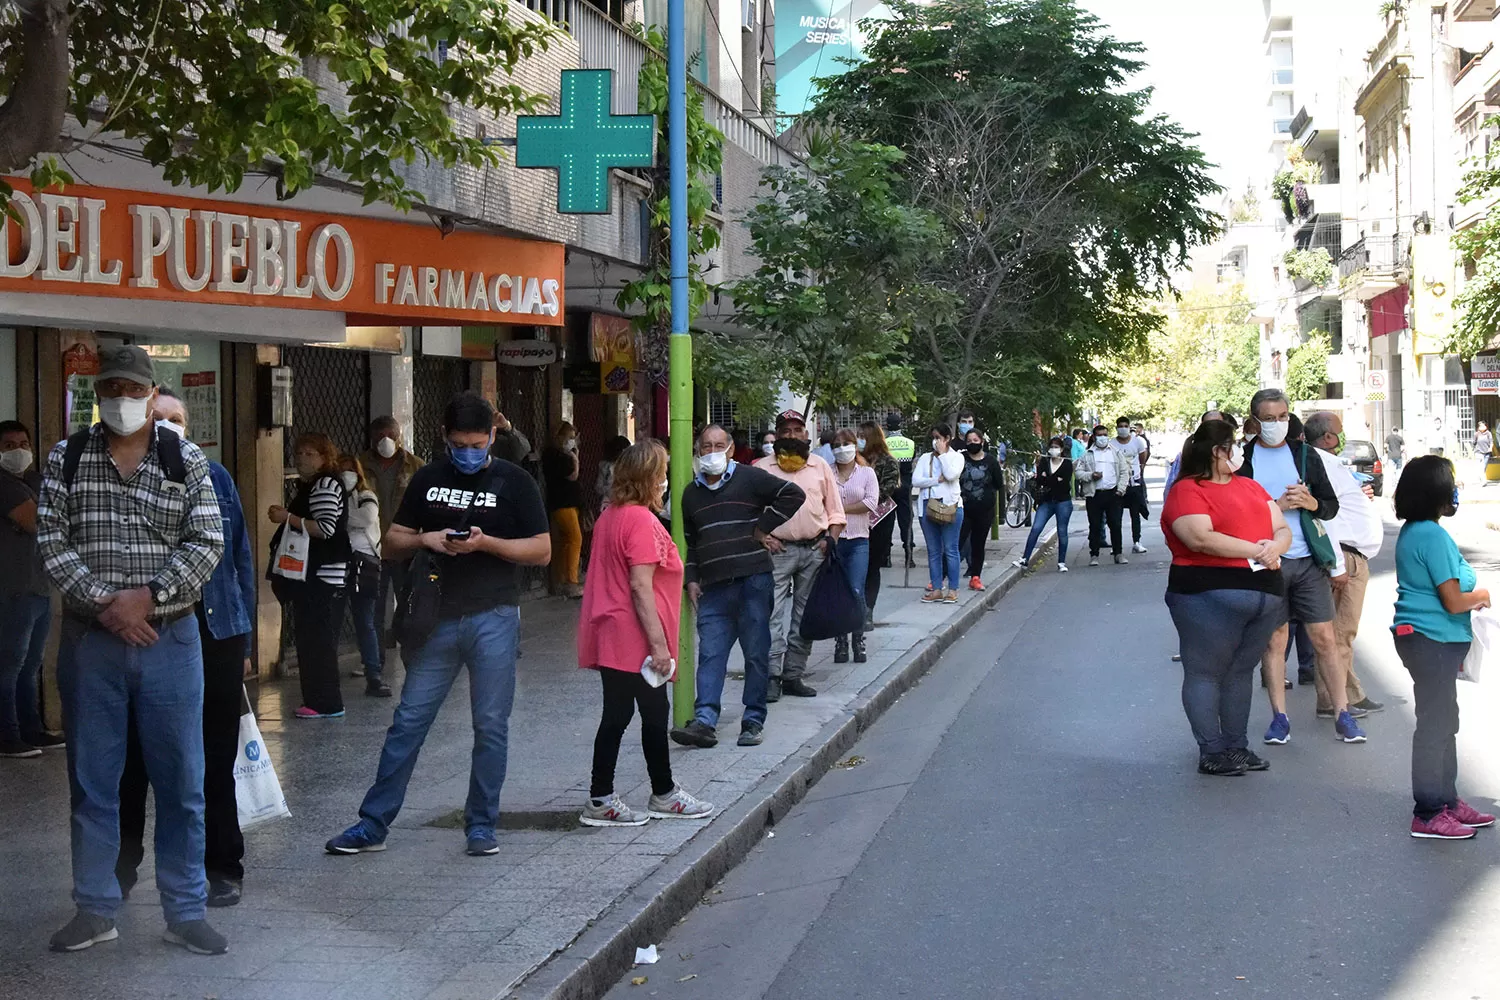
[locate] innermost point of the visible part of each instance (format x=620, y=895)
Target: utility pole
x=680, y=344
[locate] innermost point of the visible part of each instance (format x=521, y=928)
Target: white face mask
x=844, y=454
x=167, y=425
x=385, y=448
x=125, y=415
x=1101, y=440
x=1273, y=433
x=16, y=461
x=769, y=448
x=1236, y=458
x=351, y=479
x=714, y=463
x=1054, y=452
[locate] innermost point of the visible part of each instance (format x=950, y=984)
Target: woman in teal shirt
x=1435, y=591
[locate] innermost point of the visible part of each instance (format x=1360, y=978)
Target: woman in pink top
x=632, y=603
x=860, y=492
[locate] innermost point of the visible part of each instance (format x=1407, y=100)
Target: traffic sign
x=585, y=141
x=1375, y=380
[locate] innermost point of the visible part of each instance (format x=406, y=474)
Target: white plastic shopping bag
x=291, y=554
x=1486, y=644
x=257, y=793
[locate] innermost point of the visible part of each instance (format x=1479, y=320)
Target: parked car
x=1361, y=456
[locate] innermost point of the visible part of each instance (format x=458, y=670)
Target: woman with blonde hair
x=631, y=611
x=319, y=510
x=564, y=498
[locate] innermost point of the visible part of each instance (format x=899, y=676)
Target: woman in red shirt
x=632, y=603
x=1224, y=591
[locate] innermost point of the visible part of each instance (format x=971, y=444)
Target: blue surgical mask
x=1455, y=500
x=468, y=460
x=965, y=428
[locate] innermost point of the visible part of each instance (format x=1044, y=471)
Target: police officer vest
x=903, y=448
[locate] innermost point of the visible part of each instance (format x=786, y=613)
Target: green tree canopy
x=209, y=91
x=1066, y=203
x=1478, y=306
x=1307, y=368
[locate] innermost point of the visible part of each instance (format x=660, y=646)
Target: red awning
x=1388, y=312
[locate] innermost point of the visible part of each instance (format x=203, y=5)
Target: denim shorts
x=1309, y=595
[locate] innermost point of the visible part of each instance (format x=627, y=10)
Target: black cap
x=893, y=422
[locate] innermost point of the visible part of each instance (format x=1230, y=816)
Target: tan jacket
x=1085, y=467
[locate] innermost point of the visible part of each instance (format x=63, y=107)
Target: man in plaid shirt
x=131, y=547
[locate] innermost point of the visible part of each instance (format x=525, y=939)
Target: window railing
x=1376, y=255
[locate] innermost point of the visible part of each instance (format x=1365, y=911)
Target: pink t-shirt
x=609, y=634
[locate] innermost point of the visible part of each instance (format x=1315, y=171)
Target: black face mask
x=793, y=446
x=975, y=449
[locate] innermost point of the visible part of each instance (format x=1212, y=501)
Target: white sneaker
x=678, y=804
x=1138, y=548
x=1062, y=567
x=611, y=811
x=1019, y=563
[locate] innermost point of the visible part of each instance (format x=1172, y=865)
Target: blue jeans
x=855, y=555
x=365, y=605
x=942, y=551
x=104, y=682
x=24, y=621
x=1063, y=511
x=1222, y=635
x=729, y=612
x=486, y=643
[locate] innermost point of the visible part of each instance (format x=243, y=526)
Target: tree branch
x=31, y=119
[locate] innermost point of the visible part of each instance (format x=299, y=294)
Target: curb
x=594, y=962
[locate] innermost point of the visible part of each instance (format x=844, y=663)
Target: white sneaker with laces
x=611, y=811
x=1062, y=567
x=1138, y=549
x=678, y=804
x=1018, y=563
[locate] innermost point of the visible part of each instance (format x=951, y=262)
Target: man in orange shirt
x=797, y=550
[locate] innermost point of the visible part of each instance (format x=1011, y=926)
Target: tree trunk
x=31, y=119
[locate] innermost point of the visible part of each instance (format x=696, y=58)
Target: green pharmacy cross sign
x=583, y=142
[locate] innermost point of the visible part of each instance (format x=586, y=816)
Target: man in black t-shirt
x=481, y=519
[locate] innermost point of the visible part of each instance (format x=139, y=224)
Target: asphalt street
x=1028, y=822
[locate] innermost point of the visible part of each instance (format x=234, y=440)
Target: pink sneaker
x=311, y=713
x=1471, y=817
x=1441, y=827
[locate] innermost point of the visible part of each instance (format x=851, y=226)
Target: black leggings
x=623, y=691
x=881, y=537
x=317, y=622
x=978, y=518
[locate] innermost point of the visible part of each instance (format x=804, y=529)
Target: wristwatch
x=158, y=592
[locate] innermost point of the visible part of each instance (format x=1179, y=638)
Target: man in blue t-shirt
x=1296, y=479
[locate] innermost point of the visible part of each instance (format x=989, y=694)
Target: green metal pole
x=680, y=356
x=680, y=421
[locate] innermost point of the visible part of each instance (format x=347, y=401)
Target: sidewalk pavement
x=422, y=921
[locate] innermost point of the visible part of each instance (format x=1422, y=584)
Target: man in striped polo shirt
x=728, y=513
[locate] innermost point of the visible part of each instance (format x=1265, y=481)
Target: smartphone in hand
x=458, y=534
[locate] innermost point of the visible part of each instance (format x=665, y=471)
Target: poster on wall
x=813, y=38
x=612, y=345
x=80, y=363
x=200, y=394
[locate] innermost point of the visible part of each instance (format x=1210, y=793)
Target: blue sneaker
x=1348, y=730
x=482, y=842
x=1280, y=731
x=356, y=840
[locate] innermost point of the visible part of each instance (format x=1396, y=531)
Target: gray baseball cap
x=128, y=362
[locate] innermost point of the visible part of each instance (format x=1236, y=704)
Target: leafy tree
x=208, y=92
x=1067, y=204
x=835, y=294
x=1478, y=306
x=1307, y=368
x=652, y=291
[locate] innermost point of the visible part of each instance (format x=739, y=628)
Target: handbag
x=941, y=513
x=290, y=558
x=421, y=602
x=364, y=574
x=1313, y=531
x=257, y=792
x=833, y=606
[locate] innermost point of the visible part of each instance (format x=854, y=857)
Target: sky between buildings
x=1207, y=64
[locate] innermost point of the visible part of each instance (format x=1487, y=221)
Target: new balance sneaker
x=1280, y=730
x=695, y=734
x=611, y=811
x=1348, y=730
x=1443, y=826
x=481, y=842
x=197, y=937
x=1251, y=760
x=84, y=931
x=1138, y=549
x=678, y=804
x=312, y=713
x=1471, y=817
x=1222, y=765
x=751, y=735
x=356, y=840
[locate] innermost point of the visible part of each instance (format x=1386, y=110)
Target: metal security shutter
x=330, y=395
x=523, y=398
x=435, y=381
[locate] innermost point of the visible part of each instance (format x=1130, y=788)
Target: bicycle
x=1021, y=505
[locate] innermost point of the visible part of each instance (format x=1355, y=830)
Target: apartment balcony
x=1374, y=265
x=1475, y=10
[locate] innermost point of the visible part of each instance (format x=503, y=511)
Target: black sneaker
x=377, y=688
x=695, y=734
x=17, y=749
x=197, y=937
x=47, y=741
x=1306, y=677
x=1367, y=706
x=1220, y=765
x=773, y=690
x=225, y=892
x=1247, y=757
x=751, y=735
x=84, y=931
x=798, y=688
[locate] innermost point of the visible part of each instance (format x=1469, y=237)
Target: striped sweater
x=720, y=524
